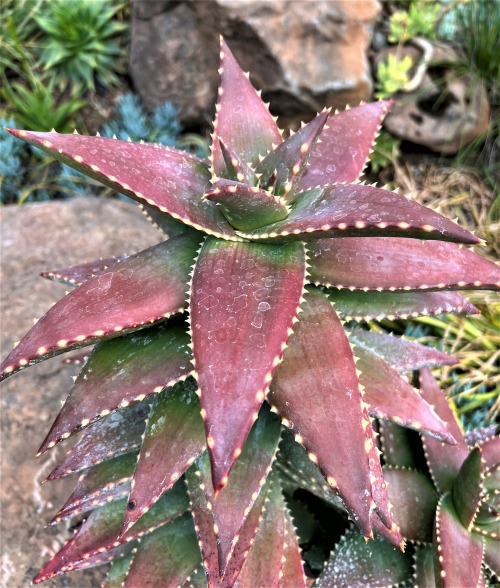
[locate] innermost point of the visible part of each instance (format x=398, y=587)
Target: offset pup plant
x=229, y=339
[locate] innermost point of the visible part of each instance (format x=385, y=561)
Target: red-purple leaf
x=100, y=532
x=173, y=439
x=245, y=297
x=356, y=210
x=457, y=553
x=355, y=564
x=242, y=120
x=145, y=288
x=403, y=405
x=78, y=274
x=166, y=557
x=121, y=372
x=247, y=207
x=444, y=461
x=99, y=485
x=292, y=569
x=399, y=264
x=281, y=170
x=118, y=433
x=166, y=178
x=414, y=502
x=401, y=354
x=360, y=305
x=467, y=489
x=345, y=145
x=490, y=451
x=237, y=169
x=264, y=563
x=316, y=390
x=392, y=535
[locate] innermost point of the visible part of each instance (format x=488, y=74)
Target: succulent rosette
x=229, y=339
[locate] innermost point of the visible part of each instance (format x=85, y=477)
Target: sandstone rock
x=446, y=111
x=303, y=55
x=34, y=238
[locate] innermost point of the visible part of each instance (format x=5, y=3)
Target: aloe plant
x=229, y=339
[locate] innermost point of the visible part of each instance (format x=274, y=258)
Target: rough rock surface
x=304, y=55
x=446, y=111
x=34, y=238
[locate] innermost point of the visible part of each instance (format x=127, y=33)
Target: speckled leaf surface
x=467, y=489
x=119, y=432
x=401, y=354
x=244, y=300
x=78, y=274
x=490, y=451
x=265, y=559
x=168, y=226
x=166, y=178
x=292, y=569
x=100, y=532
x=316, y=389
x=117, y=572
x=99, y=485
x=165, y=557
x=414, y=502
x=246, y=207
x=283, y=167
x=403, y=405
x=356, y=210
x=396, y=445
x=145, y=288
x=124, y=551
x=120, y=372
x=457, y=553
x=399, y=264
x=356, y=564
x=345, y=145
x=360, y=305
x=173, y=439
x=242, y=120
x=444, y=461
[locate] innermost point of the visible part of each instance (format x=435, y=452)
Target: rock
x=34, y=238
x=447, y=111
x=303, y=55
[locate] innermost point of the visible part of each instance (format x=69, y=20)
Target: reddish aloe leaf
x=492, y=554
x=444, y=461
x=99, y=485
x=120, y=432
x=294, y=461
x=424, y=566
x=414, y=502
x=378, y=305
x=391, y=535
x=166, y=557
x=467, y=488
x=172, y=180
x=292, y=569
x=247, y=207
x=282, y=169
x=376, y=264
x=342, y=152
x=121, y=372
x=242, y=120
x=166, y=224
x=403, y=405
x=143, y=289
x=457, y=553
x=490, y=451
x=173, y=439
x=400, y=354
x=396, y=445
x=100, y=532
x=245, y=297
x=357, y=564
x=118, y=553
x=265, y=560
x=316, y=390
x=356, y=210
x=78, y=274
x=236, y=168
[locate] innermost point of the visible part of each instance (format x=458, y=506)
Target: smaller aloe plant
x=237, y=317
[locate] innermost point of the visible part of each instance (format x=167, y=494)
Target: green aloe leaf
x=467, y=489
